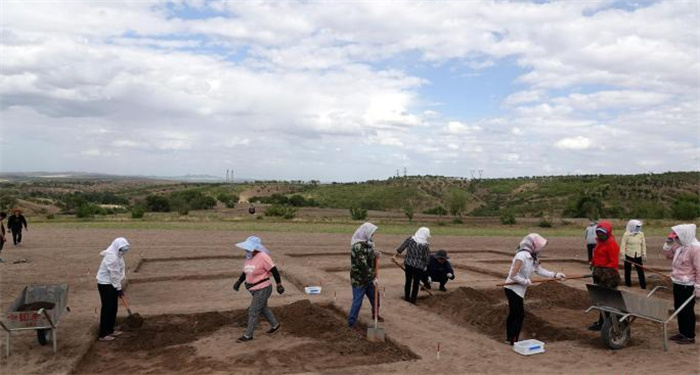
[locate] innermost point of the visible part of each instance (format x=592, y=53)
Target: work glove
x=280, y=288
x=644, y=258
x=237, y=285
x=375, y=282
x=430, y=279
x=450, y=276
x=560, y=275
x=527, y=282
x=120, y=293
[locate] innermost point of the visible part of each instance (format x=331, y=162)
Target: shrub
x=408, y=211
x=229, y=200
x=457, y=220
x=358, y=213
x=545, y=223
x=50, y=216
x=508, y=218
x=89, y=210
x=686, y=207
x=585, y=206
x=138, y=212
x=157, y=203
x=281, y=211
x=457, y=201
x=437, y=210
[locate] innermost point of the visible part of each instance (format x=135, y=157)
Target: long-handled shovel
x=396, y=262
x=548, y=280
x=133, y=320
x=647, y=269
x=376, y=334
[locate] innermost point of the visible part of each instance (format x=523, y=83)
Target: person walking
x=683, y=247
x=416, y=262
x=363, y=258
x=3, y=216
x=589, y=234
x=524, y=263
x=110, y=277
x=14, y=224
x=633, y=247
x=606, y=258
x=256, y=274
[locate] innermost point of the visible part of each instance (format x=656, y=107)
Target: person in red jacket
x=605, y=262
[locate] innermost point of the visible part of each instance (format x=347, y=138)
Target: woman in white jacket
x=524, y=264
x=109, y=283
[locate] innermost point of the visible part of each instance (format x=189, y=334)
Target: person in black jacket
x=3, y=215
x=14, y=224
x=439, y=269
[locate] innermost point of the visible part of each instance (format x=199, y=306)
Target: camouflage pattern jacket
x=362, y=264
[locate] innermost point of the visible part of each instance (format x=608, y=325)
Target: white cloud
x=576, y=143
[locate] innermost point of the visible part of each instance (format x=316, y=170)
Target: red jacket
x=606, y=254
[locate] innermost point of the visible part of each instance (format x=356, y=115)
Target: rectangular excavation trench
x=313, y=338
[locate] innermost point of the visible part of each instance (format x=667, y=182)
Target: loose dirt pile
x=312, y=338
x=486, y=310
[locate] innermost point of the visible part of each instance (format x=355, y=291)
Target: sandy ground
x=181, y=277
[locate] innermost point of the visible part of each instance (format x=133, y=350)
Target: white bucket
x=529, y=347
x=312, y=290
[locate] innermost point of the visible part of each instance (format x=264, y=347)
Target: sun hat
x=441, y=254
x=251, y=244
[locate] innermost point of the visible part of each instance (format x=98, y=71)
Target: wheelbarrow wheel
x=615, y=339
x=43, y=336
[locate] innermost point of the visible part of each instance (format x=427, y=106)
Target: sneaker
x=379, y=318
x=116, y=333
x=107, y=338
x=685, y=341
x=595, y=326
x=273, y=329
x=244, y=338
x=676, y=337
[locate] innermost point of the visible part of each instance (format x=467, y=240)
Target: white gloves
x=527, y=282
x=430, y=280
x=560, y=275
x=375, y=282
x=450, y=276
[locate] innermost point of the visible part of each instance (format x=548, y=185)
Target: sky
x=349, y=90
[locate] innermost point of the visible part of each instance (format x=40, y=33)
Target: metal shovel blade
x=134, y=320
x=375, y=334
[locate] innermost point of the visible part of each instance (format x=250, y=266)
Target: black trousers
x=640, y=272
x=516, y=316
x=110, y=305
x=413, y=277
x=686, y=318
x=17, y=236
x=590, y=248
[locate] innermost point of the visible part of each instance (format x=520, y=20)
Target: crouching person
x=256, y=275
x=439, y=269
x=683, y=247
x=524, y=264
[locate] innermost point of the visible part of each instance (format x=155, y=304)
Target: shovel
x=396, y=262
x=376, y=334
x=133, y=320
x=549, y=280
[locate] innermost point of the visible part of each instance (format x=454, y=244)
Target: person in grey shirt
x=590, y=238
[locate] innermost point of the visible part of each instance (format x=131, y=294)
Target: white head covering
x=686, y=234
x=251, y=244
x=422, y=236
x=632, y=226
x=364, y=234
x=533, y=242
x=119, y=243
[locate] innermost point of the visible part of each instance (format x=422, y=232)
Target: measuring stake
x=335, y=297
x=438, y=350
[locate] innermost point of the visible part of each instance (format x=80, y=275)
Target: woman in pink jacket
x=684, y=249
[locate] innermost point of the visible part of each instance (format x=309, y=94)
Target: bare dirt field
x=180, y=281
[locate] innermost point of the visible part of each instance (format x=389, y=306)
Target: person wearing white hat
x=256, y=275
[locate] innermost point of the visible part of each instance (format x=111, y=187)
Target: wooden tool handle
x=648, y=269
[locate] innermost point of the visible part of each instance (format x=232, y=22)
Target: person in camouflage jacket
x=362, y=276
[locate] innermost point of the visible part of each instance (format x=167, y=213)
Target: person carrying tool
x=14, y=224
x=362, y=272
x=256, y=274
x=109, y=284
x=634, y=248
x=439, y=270
x=683, y=247
x=589, y=234
x=416, y=262
x=606, y=258
x=524, y=263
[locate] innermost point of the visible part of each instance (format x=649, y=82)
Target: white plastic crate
x=529, y=347
x=312, y=290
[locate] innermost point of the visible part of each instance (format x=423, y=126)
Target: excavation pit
x=313, y=338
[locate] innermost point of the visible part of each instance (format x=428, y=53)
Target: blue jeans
x=358, y=292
